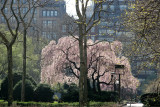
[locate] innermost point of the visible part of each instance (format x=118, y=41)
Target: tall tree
x=26, y=24
x=84, y=26
x=26, y=18
x=144, y=20
x=8, y=41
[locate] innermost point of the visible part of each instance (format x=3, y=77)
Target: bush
x=71, y=94
x=65, y=86
x=29, y=91
x=0, y=94
x=104, y=96
x=16, y=78
x=43, y=93
x=150, y=99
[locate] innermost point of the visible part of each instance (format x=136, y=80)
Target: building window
x=15, y=10
x=70, y=27
x=55, y=13
x=44, y=23
x=14, y=1
x=25, y=19
x=32, y=29
x=63, y=28
x=110, y=39
x=35, y=12
x=13, y=19
x=50, y=24
x=2, y=1
x=2, y=19
x=54, y=23
x=48, y=13
x=25, y=10
x=43, y=13
x=93, y=29
x=117, y=24
x=44, y=34
x=102, y=32
x=93, y=38
x=104, y=7
x=109, y=23
x=112, y=7
x=52, y=13
x=24, y=1
x=110, y=31
x=122, y=7
x=49, y=35
x=119, y=33
x=54, y=35
x=5, y=10
x=103, y=23
x=34, y=20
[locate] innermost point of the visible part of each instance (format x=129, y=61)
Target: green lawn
x=56, y=104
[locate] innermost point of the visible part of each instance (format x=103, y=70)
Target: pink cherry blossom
x=60, y=63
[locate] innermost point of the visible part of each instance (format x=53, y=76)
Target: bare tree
x=84, y=26
x=21, y=22
x=26, y=23
x=8, y=41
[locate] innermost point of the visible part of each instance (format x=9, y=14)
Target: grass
x=56, y=104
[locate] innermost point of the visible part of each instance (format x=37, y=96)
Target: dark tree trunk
x=10, y=75
x=98, y=86
x=86, y=70
x=94, y=81
x=82, y=68
x=24, y=66
x=94, y=87
x=88, y=84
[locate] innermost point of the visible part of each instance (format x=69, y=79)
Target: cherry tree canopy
x=61, y=62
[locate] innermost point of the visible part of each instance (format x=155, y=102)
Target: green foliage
x=71, y=94
x=55, y=97
x=29, y=91
x=153, y=86
x=43, y=93
x=55, y=104
x=16, y=78
x=65, y=86
x=34, y=48
x=150, y=99
x=104, y=96
x=58, y=88
x=3, y=61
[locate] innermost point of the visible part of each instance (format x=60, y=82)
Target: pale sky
x=70, y=7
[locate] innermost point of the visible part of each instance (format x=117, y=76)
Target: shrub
x=16, y=78
x=71, y=95
x=0, y=94
x=43, y=93
x=65, y=86
x=150, y=99
x=104, y=96
x=29, y=91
